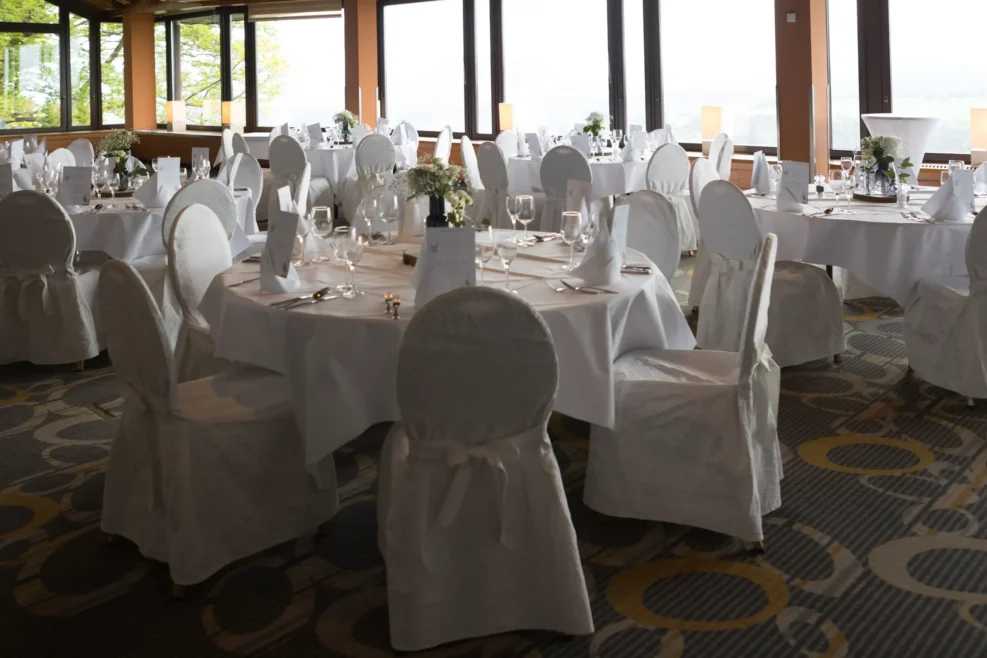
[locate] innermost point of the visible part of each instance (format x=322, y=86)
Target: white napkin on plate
x=980, y=179
x=953, y=202
x=602, y=262
x=761, y=175
x=155, y=194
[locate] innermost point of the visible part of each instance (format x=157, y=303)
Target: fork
x=314, y=300
x=284, y=303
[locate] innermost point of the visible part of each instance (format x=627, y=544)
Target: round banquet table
x=609, y=178
x=125, y=230
x=885, y=250
x=340, y=356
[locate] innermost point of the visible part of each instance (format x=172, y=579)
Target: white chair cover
x=210, y=193
x=443, y=145
x=806, y=316
x=703, y=173
x=276, y=132
x=696, y=441
x=724, y=161
x=250, y=176
x=288, y=165
x=474, y=182
x=507, y=141
x=560, y=165
x=946, y=323
x=227, y=144
x=715, y=147
x=494, y=173
x=668, y=174
x=470, y=479
x=197, y=251
x=203, y=473
x=375, y=158
x=48, y=307
x=85, y=154
x=62, y=157
x=652, y=229
x=240, y=144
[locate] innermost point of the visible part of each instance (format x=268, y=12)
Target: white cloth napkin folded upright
x=34, y=162
x=534, y=146
x=761, y=175
x=602, y=262
x=980, y=179
x=383, y=127
x=154, y=194
x=954, y=200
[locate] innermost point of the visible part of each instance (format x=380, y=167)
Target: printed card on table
x=448, y=262
x=315, y=134
x=76, y=187
x=793, y=192
x=169, y=171
x=618, y=230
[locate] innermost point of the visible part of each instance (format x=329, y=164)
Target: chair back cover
x=85, y=154
x=240, y=144
x=211, y=194
x=486, y=337
x=405, y=131
x=375, y=155
x=227, y=144
x=702, y=174
x=135, y=336
x=286, y=157
x=197, y=251
x=36, y=234
x=250, y=176
x=62, y=157
x=471, y=164
x=653, y=229
x=560, y=165
x=725, y=161
x=443, y=145
x=727, y=222
x=668, y=169
x=756, y=320
x=507, y=141
x=493, y=172
x=716, y=147
x=228, y=170
x=276, y=132
x=358, y=134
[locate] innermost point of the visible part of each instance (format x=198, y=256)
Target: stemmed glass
x=351, y=253
x=572, y=232
x=390, y=207
x=618, y=135
x=512, y=208
x=507, y=252
x=775, y=171
x=321, y=227
x=847, y=165
x=837, y=180
x=370, y=212
x=100, y=180
x=298, y=252
x=525, y=213
x=204, y=168
x=114, y=186
x=485, y=248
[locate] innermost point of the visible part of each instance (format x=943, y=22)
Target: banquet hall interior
x=481, y=328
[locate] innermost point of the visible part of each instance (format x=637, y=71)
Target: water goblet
x=572, y=232
x=485, y=248
x=525, y=213
x=370, y=212
x=507, y=252
x=512, y=204
x=301, y=236
x=353, y=248
x=390, y=209
x=321, y=227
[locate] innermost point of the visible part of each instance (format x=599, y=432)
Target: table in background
x=609, y=178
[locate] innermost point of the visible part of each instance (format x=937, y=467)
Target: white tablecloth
x=128, y=234
x=885, y=250
x=338, y=164
x=258, y=144
x=609, y=178
x=341, y=355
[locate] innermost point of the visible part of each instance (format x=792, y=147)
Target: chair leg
x=695, y=309
x=177, y=591
x=111, y=539
x=837, y=358
x=909, y=371
x=80, y=366
x=970, y=402
x=757, y=546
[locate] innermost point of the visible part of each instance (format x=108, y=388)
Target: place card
x=793, y=192
x=277, y=274
x=76, y=187
x=953, y=202
x=446, y=262
x=315, y=136
x=6, y=180
x=618, y=229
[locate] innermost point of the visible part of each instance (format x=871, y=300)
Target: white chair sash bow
x=24, y=278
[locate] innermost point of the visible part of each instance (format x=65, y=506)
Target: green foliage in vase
x=346, y=117
x=879, y=153
x=594, y=124
x=434, y=178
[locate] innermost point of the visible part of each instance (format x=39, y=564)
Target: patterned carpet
x=879, y=549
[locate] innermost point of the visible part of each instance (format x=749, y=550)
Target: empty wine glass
x=512, y=204
x=204, y=167
x=390, y=209
x=353, y=247
x=485, y=248
x=507, y=252
x=114, y=185
x=525, y=213
x=618, y=135
x=846, y=164
x=572, y=232
x=370, y=212
x=590, y=227
x=837, y=180
x=321, y=227
x=301, y=235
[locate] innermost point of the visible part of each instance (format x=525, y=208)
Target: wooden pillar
x=138, y=71
x=802, y=70
x=361, y=58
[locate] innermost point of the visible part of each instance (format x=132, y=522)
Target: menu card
x=446, y=262
x=76, y=187
x=315, y=135
x=277, y=274
x=793, y=191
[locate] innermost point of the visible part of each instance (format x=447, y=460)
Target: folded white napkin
x=602, y=262
x=533, y=146
x=522, y=145
x=400, y=135
x=954, y=200
x=155, y=194
x=761, y=175
x=34, y=162
x=980, y=179
x=23, y=179
x=383, y=127
x=275, y=261
x=630, y=154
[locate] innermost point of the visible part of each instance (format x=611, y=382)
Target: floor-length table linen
x=609, y=178
x=341, y=356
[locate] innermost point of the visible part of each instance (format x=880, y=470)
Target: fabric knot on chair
x=25, y=278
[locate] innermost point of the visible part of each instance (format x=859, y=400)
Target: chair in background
x=507, y=141
x=724, y=161
x=469, y=478
x=652, y=229
x=668, y=174
x=493, y=171
x=806, y=315
x=226, y=147
x=946, y=323
x=558, y=167
x=240, y=144
x=474, y=182
x=443, y=145
x=48, y=306
x=62, y=157
x=250, y=176
x=183, y=481
x=715, y=148
x=696, y=441
x=702, y=174
x=85, y=154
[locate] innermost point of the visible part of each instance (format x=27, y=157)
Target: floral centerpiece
x=594, y=124
x=116, y=146
x=346, y=120
x=440, y=182
x=879, y=153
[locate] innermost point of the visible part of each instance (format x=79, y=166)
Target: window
x=160, y=69
x=301, y=71
x=199, y=55
x=730, y=64
x=634, y=89
x=556, y=62
x=79, y=70
x=111, y=71
x=484, y=72
x=238, y=58
x=425, y=78
x=30, y=81
x=844, y=75
x=947, y=85
x=28, y=11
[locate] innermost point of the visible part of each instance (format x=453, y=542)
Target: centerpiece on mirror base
x=595, y=125
x=883, y=178
x=116, y=147
x=346, y=121
x=440, y=183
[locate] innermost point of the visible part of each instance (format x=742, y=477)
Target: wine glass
x=512, y=205
x=590, y=227
x=370, y=213
x=154, y=164
x=572, y=232
x=352, y=252
x=955, y=165
x=525, y=213
x=321, y=227
x=485, y=248
x=390, y=207
x=507, y=252
x=301, y=235
x=204, y=167
x=837, y=180
x=846, y=164
x=114, y=185
x=618, y=135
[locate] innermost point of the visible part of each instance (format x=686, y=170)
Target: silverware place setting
x=240, y=283
x=315, y=296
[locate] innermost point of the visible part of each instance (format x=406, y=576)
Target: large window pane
x=111, y=68
x=238, y=58
x=944, y=84
x=634, y=63
x=720, y=53
x=484, y=73
x=301, y=71
x=29, y=81
x=556, y=64
x=28, y=11
x=79, y=65
x=199, y=55
x=844, y=74
x=160, y=70
x=423, y=64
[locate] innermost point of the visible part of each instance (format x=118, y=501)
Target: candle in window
x=712, y=125
x=175, y=115
x=978, y=136
x=506, y=116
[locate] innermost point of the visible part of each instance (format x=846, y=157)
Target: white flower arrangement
x=346, y=117
x=879, y=152
x=595, y=123
x=434, y=178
